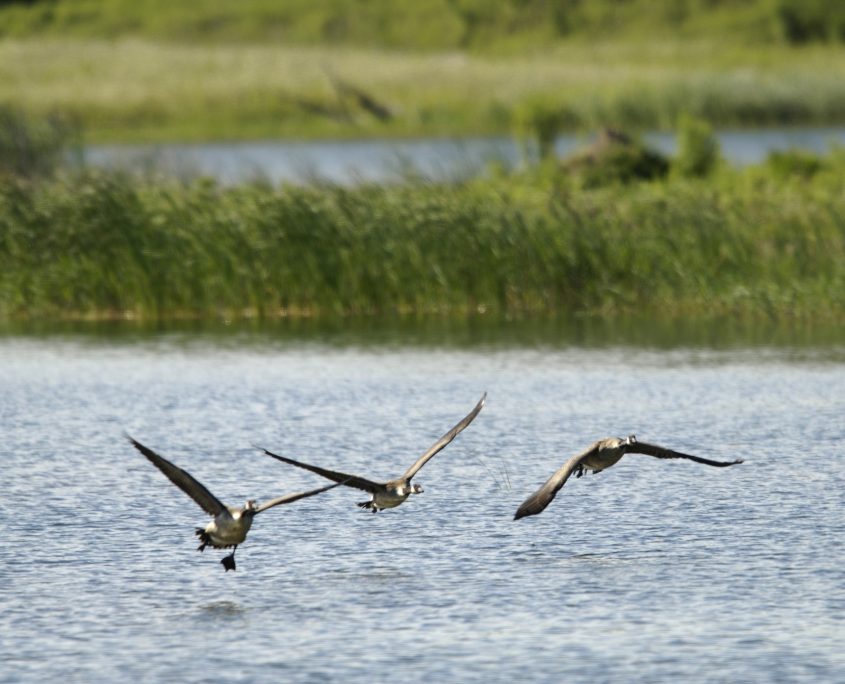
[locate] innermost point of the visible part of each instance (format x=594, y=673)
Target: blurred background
x=591, y=156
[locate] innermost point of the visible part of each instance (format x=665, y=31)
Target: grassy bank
x=133, y=90
x=753, y=243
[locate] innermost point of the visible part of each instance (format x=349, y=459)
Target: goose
x=393, y=492
x=597, y=457
x=231, y=523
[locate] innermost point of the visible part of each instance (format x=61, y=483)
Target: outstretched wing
x=184, y=480
x=537, y=502
x=662, y=452
x=340, y=478
x=290, y=498
x=444, y=440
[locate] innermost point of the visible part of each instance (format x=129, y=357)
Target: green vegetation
x=132, y=91
x=614, y=231
x=698, y=150
x=748, y=242
x=216, y=69
x=33, y=147
x=427, y=24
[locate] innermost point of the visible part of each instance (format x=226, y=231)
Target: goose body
x=229, y=527
x=230, y=524
x=394, y=492
x=597, y=457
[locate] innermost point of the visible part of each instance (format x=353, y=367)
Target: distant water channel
x=348, y=162
x=652, y=571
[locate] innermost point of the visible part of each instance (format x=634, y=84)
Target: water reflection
x=797, y=338
x=222, y=610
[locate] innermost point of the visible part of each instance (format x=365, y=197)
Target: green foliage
x=615, y=158
x=698, y=150
x=794, y=163
x=538, y=122
x=31, y=147
x=103, y=245
x=426, y=24
x=807, y=21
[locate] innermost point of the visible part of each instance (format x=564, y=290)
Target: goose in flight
x=231, y=523
x=393, y=492
x=597, y=457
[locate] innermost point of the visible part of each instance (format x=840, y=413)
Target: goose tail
x=205, y=540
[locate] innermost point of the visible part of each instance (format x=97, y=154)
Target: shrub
x=794, y=163
x=616, y=158
x=698, y=150
x=31, y=147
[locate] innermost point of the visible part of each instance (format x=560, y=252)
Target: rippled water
x=650, y=571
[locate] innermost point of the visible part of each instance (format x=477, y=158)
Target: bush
x=805, y=21
x=794, y=163
x=698, y=150
x=538, y=123
x=616, y=158
x=32, y=147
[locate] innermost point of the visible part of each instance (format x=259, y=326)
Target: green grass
x=216, y=69
x=752, y=243
x=130, y=90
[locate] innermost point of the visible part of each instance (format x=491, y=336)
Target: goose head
x=416, y=489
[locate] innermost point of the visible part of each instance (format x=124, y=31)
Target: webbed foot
x=229, y=562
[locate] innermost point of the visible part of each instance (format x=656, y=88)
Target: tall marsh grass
x=96, y=245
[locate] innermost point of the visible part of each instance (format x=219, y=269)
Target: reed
x=753, y=243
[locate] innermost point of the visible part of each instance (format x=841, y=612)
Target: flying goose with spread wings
x=597, y=457
x=231, y=523
x=393, y=492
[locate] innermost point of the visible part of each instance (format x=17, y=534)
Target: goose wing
x=662, y=452
x=444, y=440
x=537, y=502
x=290, y=498
x=340, y=478
x=184, y=480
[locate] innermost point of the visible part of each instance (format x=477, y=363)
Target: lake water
x=650, y=571
x=384, y=160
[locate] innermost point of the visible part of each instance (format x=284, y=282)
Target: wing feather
x=183, y=479
x=341, y=478
x=663, y=452
x=290, y=498
x=537, y=502
x=444, y=440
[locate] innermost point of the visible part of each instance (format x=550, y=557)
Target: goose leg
x=229, y=561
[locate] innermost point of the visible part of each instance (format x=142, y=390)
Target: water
x=385, y=160
x=650, y=571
